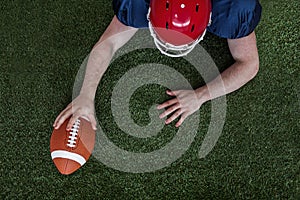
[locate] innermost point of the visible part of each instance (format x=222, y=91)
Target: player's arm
x=114, y=37
x=245, y=54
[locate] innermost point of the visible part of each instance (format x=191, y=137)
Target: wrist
x=203, y=94
x=87, y=95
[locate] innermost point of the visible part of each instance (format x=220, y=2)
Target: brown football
x=71, y=149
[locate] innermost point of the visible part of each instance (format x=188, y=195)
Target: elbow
x=254, y=66
x=249, y=68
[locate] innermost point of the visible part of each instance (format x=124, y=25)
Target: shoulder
x=234, y=18
x=132, y=12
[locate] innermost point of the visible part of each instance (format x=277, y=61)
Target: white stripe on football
x=68, y=155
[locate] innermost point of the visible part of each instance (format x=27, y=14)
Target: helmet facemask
x=169, y=48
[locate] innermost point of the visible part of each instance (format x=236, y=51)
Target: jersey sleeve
x=234, y=19
x=132, y=12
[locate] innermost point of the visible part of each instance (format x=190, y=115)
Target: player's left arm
x=244, y=51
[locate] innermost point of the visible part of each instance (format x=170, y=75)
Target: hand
x=185, y=104
x=79, y=107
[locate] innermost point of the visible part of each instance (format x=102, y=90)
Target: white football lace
x=73, y=135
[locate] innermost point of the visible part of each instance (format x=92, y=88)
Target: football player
x=176, y=26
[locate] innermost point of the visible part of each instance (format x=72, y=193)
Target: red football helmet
x=177, y=26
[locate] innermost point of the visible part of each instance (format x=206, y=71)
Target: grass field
x=43, y=44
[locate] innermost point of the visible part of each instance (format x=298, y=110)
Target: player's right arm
x=114, y=37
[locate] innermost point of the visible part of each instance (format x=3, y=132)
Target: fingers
x=167, y=103
x=65, y=114
x=169, y=110
x=174, y=116
x=175, y=106
x=76, y=115
x=178, y=113
x=72, y=121
x=59, y=116
x=181, y=106
x=74, y=112
x=93, y=121
x=171, y=93
x=170, y=102
x=182, y=118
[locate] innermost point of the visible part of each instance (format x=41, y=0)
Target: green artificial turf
x=43, y=44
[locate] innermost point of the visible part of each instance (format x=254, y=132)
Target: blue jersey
x=230, y=18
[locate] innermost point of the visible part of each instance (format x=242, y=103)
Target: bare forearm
x=244, y=52
x=97, y=64
x=114, y=37
x=230, y=80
